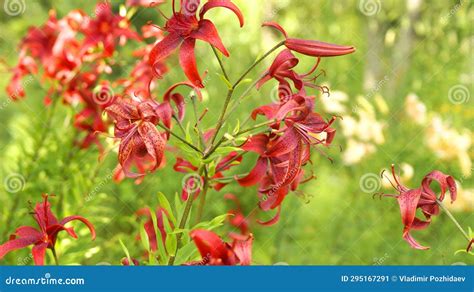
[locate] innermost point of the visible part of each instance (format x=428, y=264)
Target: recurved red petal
x=273, y=220
x=276, y=26
x=225, y=4
x=187, y=60
x=207, y=32
x=256, y=174
x=83, y=220
x=184, y=166
x=164, y=48
x=446, y=182
x=413, y=243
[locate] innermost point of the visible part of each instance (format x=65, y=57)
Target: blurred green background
x=405, y=97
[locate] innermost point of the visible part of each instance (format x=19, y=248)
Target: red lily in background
x=311, y=47
x=184, y=28
x=161, y=215
x=106, y=28
x=422, y=198
x=237, y=218
x=46, y=236
x=215, y=252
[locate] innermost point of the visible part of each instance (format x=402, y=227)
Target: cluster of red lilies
x=76, y=55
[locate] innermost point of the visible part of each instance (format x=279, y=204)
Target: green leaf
x=186, y=253
x=227, y=82
x=212, y=168
x=164, y=203
x=214, y=223
x=144, y=238
x=159, y=240
x=226, y=149
x=124, y=248
x=171, y=244
x=237, y=128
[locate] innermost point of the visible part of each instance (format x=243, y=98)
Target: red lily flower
x=184, y=28
x=423, y=198
x=106, y=28
x=282, y=70
x=216, y=252
x=310, y=47
x=46, y=236
x=141, y=144
x=26, y=65
x=277, y=171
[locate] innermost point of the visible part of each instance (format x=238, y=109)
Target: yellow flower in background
x=334, y=103
x=360, y=125
x=447, y=143
x=415, y=109
x=464, y=201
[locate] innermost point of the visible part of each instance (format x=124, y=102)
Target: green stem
x=238, y=133
x=257, y=62
x=184, y=219
x=464, y=233
x=178, y=137
x=197, y=122
x=220, y=63
x=179, y=124
x=221, y=119
x=56, y=261
x=202, y=199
